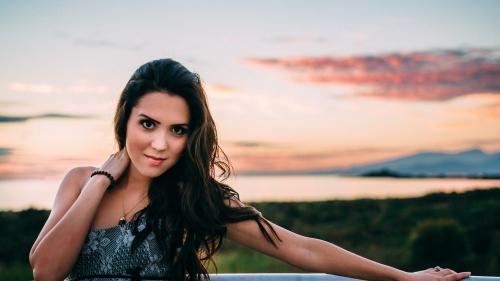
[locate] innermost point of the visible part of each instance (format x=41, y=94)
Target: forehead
x=162, y=107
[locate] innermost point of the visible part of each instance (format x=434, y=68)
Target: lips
x=155, y=160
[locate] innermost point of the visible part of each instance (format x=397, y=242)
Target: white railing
x=305, y=277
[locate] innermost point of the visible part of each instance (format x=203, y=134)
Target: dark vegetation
x=18, y=232
x=457, y=230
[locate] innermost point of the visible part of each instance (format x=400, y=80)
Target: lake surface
x=21, y=194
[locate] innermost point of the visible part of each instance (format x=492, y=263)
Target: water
x=316, y=188
x=21, y=194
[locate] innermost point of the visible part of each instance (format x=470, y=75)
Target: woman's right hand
x=116, y=164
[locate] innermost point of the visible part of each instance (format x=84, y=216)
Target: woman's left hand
x=444, y=274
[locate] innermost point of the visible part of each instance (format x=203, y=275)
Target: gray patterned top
x=106, y=256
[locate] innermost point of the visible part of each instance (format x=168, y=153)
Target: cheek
x=131, y=149
x=180, y=146
x=134, y=143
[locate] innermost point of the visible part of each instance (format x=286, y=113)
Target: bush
x=439, y=242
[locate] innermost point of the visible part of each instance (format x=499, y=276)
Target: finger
x=125, y=151
x=433, y=270
x=446, y=271
x=456, y=276
x=125, y=154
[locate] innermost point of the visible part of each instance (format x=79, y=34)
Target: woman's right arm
x=59, y=243
x=61, y=239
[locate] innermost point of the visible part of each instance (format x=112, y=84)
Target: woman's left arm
x=319, y=256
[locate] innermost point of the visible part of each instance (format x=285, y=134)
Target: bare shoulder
x=79, y=174
x=77, y=177
x=68, y=192
x=72, y=184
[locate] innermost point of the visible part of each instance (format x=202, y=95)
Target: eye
x=148, y=124
x=178, y=130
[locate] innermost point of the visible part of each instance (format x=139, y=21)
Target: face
x=157, y=133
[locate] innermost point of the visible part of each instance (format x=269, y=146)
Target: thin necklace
x=122, y=220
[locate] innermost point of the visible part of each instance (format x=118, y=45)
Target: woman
x=154, y=210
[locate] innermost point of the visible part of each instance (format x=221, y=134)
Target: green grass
x=248, y=261
x=16, y=272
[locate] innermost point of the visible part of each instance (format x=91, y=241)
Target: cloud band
x=432, y=75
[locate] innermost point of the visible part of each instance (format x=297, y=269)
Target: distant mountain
x=471, y=162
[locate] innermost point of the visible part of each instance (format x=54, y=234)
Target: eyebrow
x=144, y=115
x=158, y=122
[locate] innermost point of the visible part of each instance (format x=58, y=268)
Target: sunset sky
x=292, y=85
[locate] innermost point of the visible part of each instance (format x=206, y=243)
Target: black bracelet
x=100, y=172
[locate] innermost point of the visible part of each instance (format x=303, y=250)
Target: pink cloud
x=12, y=168
x=434, y=75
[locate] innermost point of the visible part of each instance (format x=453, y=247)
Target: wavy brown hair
x=188, y=206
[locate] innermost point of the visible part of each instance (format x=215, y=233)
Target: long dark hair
x=188, y=207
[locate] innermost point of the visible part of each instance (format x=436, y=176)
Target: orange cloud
x=485, y=106
x=19, y=171
x=434, y=75
x=39, y=168
x=491, y=111
x=455, y=124
x=488, y=111
x=219, y=90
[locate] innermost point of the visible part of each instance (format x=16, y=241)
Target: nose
x=159, y=141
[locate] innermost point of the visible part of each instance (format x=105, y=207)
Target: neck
x=133, y=180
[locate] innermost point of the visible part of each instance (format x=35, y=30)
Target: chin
x=152, y=172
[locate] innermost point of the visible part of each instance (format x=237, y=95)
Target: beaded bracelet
x=99, y=172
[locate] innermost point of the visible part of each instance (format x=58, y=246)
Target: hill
x=470, y=163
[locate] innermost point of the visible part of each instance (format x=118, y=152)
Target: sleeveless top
x=106, y=256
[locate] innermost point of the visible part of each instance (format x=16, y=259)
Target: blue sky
x=63, y=65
